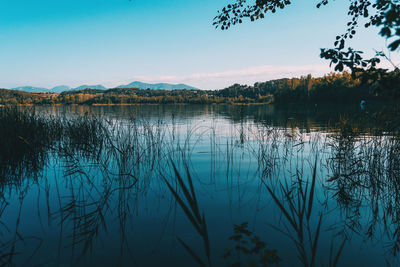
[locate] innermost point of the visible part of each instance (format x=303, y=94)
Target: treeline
x=14, y=97
x=135, y=96
x=122, y=96
x=332, y=88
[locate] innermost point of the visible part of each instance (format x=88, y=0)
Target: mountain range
x=136, y=84
x=158, y=86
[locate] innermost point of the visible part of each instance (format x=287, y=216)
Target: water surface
x=98, y=195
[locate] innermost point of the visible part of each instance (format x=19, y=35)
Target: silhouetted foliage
x=250, y=245
x=384, y=14
x=25, y=140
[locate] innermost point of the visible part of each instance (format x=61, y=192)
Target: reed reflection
x=83, y=178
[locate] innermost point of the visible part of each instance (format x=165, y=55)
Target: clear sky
x=112, y=42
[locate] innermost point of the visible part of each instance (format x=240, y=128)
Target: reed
x=189, y=205
x=106, y=163
x=296, y=203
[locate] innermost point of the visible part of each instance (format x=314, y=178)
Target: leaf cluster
x=250, y=245
x=384, y=14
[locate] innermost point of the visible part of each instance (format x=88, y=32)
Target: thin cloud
x=244, y=76
x=205, y=80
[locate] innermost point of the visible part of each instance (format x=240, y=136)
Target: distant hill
x=84, y=91
x=138, y=85
x=158, y=86
x=60, y=88
x=57, y=89
x=82, y=87
x=31, y=89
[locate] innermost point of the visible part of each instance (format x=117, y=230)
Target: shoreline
x=133, y=104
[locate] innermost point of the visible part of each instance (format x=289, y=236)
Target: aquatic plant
x=190, y=207
x=296, y=203
x=249, y=246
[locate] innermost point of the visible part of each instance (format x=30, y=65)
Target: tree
x=384, y=14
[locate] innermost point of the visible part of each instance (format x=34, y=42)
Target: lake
x=182, y=185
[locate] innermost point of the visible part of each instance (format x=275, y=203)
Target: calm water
x=103, y=200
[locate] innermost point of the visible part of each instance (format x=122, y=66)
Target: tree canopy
x=384, y=14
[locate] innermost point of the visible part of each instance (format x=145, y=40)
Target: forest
x=331, y=88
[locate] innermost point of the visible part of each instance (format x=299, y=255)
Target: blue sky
x=112, y=42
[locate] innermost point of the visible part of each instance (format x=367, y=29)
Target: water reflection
x=100, y=185
x=365, y=183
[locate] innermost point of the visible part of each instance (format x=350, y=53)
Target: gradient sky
x=112, y=42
